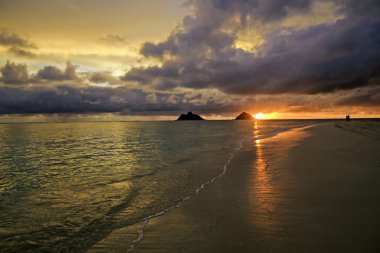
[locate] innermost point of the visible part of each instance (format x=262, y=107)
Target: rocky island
x=244, y=116
x=190, y=116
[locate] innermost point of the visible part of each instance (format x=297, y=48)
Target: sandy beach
x=306, y=190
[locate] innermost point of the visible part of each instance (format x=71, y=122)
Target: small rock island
x=244, y=116
x=190, y=116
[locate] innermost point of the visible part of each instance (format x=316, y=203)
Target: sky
x=157, y=59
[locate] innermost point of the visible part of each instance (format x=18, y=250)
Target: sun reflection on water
x=262, y=192
x=264, y=188
x=267, y=190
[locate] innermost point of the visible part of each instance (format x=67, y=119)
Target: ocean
x=65, y=186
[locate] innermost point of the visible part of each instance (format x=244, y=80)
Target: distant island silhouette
x=190, y=116
x=244, y=116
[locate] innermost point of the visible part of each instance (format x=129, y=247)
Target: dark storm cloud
x=339, y=60
x=359, y=8
x=53, y=100
x=324, y=58
x=369, y=97
x=53, y=73
x=81, y=99
x=268, y=10
x=319, y=58
x=13, y=73
x=31, y=95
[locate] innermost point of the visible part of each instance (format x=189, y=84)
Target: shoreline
x=137, y=230
x=268, y=202
x=128, y=238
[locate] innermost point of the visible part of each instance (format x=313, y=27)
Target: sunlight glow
x=259, y=116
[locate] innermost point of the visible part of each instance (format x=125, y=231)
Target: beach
x=67, y=186
x=311, y=189
x=213, y=186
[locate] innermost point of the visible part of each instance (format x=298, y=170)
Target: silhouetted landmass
x=190, y=116
x=244, y=116
x=348, y=117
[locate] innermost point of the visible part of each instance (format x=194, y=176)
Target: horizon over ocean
x=67, y=186
x=112, y=117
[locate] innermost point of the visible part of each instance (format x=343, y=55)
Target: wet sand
x=306, y=190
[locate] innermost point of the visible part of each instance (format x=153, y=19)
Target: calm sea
x=65, y=186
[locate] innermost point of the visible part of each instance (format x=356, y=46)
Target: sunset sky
x=285, y=58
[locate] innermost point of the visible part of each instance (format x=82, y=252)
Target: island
x=244, y=116
x=190, y=116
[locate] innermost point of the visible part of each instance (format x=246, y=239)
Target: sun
x=259, y=115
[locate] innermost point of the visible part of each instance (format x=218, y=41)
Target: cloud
x=54, y=73
x=16, y=44
x=151, y=98
x=113, y=40
x=56, y=95
x=269, y=10
x=201, y=53
x=226, y=56
x=13, y=73
x=21, y=52
x=78, y=97
x=58, y=99
x=102, y=77
x=172, y=99
x=366, y=8
x=369, y=97
x=14, y=40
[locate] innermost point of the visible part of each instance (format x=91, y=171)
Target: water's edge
x=145, y=221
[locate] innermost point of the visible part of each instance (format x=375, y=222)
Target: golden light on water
x=259, y=115
x=262, y=193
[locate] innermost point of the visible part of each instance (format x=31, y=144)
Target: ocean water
x=65, y=186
